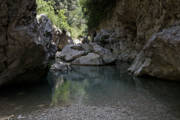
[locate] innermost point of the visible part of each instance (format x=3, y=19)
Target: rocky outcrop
x=61, y=37
x=46, y=33
x=118, y=43
x=24, y=52
x=106, y=54
x=133, y=24
x=85, y=54
x=160, y=56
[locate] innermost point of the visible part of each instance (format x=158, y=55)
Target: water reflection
x=65, y=90
x=112, y=86
x=96, y=86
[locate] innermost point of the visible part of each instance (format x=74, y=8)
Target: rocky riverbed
x=81, y=112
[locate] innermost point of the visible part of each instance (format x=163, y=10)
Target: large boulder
x=106, y=54
x=70, y=53
x=160, y=56
x=24, y=53
x=90, y=59
x=86, y=54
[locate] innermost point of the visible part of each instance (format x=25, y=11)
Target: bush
x=63, y=20
x=65, y=14
x=46, y=7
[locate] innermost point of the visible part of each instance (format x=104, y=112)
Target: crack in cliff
x=6, y=37
x=5, y=49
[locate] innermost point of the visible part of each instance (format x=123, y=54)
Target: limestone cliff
x=134, y=23
x=23, y=52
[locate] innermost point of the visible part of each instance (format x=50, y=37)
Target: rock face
x=133, y=24
x=46, y=33
x=160, y=56
x=106, y=54
x=118, y=43
x=61, y=38
x=23, y=51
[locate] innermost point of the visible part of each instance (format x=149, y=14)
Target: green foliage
x=63, y=20
x=46, y=7
x=73, y=15
x=65, y=14
x=77, y=22
x=96, y=11
x=70, y=5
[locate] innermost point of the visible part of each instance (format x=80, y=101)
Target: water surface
x=96, y=86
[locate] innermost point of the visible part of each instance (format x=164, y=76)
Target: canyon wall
x=23, y=51
x=134, y=23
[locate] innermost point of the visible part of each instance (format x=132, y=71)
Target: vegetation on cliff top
x=76, y=15
x=59, y=19
x=65, y=14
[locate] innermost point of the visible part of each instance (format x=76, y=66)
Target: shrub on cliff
x=46, y=7
x=65, y=14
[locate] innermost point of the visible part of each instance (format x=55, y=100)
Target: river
x=93, y=93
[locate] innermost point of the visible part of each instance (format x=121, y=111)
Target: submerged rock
x=160, y=56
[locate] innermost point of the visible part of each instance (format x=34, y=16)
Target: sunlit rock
x=70, y=53
x=90, y=59
x=160, y=56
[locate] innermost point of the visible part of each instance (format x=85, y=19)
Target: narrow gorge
x=89, y=60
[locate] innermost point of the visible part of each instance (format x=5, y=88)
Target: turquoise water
x=95, y=86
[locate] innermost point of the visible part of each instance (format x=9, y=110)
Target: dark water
x=96, y=86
